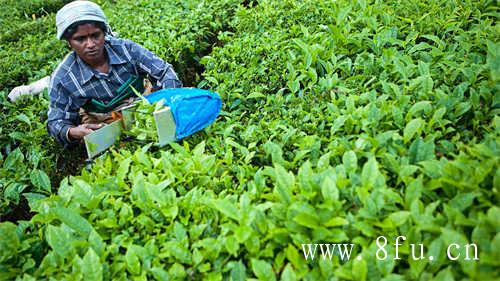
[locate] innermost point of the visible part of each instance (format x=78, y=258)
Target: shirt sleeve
x=62, y=115
x=160, y=71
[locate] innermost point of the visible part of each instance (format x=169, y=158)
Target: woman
x=95, y=70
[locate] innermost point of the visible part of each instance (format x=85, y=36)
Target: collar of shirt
x=87, y=72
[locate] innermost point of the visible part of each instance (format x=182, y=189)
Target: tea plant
x=343, y=121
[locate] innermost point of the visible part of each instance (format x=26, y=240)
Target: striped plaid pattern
x=73, y=83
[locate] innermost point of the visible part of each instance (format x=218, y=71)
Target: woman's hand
x=77, y=133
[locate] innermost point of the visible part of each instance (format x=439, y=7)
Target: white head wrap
x=79, y=11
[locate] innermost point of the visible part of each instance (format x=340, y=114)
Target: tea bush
x=343, y=121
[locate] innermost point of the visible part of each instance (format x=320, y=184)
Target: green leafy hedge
x=31, y=47
x=342, y=121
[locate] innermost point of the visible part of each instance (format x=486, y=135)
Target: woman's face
x=88, y=43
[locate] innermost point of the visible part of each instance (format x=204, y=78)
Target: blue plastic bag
x=193, y=109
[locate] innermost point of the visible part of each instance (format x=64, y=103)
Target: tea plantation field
x=345, y=124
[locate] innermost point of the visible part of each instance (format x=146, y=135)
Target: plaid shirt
x=73, y=83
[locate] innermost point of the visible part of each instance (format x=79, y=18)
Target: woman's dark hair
x=74, y=27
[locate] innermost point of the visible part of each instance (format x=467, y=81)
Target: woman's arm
x=62, y=115
x=160, y=71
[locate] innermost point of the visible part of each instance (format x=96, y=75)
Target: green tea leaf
x=23, y=118
x=238, y=273
x=73, y=220
x=227, y=208
x=255, y=95
x=262, y=270
x=14, y=160
x=232, y=245
x=92, y=267
x=284, y=184
x=132, y=261
x=493, y=59
x=359, y=269
x=307, y=219
x=463, y=201
x=424, y=106
x=370, y=175
x=421, y=151
x=414, y=191
x=13, y=192
x=288, y=273
x=159, y=274
x=329, y=189
x=177, y=271
x=444, y=275
x=95, y=240
x=10, y=243
x=336, y=221
x=40, y=180
x=412, y=128
x=350, y=161
x=432, y=168
x=179, y=251
x=180, y=231
x=399, y=218
x=59, y=240
x=242, y=233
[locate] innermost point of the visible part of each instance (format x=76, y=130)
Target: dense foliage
x=342, y=121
